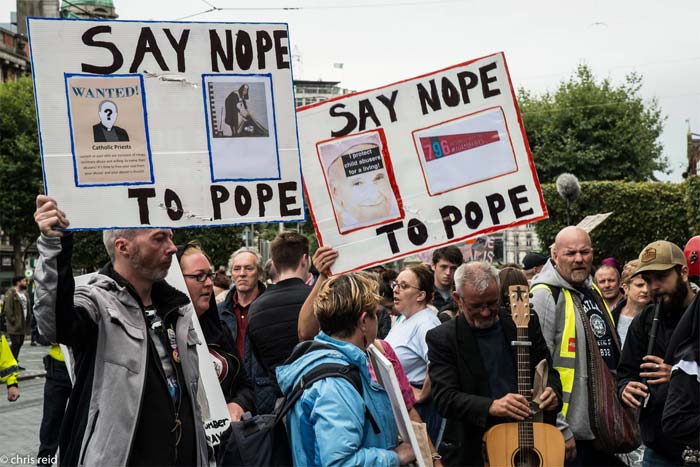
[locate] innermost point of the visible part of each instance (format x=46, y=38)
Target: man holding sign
x=136, y=365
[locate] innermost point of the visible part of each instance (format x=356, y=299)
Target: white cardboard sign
x=384, y=371
x=418, y=164
x=166, y=123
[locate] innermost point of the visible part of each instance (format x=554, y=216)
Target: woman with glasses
x=413, y=292
x=197, y=270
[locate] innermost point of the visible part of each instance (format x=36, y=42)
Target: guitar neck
x=520, y=312
x=523, y=360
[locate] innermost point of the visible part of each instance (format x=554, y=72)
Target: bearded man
x=643, y=378
x=134, y=398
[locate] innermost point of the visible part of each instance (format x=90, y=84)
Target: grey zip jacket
x=551, y=315
x=120, y=360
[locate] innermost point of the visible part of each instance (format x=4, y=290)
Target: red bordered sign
x=418, y=164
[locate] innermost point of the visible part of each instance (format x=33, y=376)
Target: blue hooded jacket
x=327, y=425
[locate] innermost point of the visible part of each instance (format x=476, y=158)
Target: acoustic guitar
x=526, y=443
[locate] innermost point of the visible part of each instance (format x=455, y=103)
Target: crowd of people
x=613, y=351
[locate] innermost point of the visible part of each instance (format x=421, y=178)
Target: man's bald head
x=573, y=254
x=571, y=234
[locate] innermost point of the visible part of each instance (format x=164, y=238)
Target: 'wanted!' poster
x=108, y=130
x=429, y=161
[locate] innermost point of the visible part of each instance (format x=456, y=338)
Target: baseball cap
x=692, y=255
x=660, y=256
x=532, y=260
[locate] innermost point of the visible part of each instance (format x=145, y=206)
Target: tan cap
x=660, y=256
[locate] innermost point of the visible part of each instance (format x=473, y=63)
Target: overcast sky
x=383, y=41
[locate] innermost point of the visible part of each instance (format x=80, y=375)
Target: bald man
x=565, y=300
x=364, y=198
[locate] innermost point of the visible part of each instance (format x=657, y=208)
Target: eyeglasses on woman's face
x=201, y=277
x=402, y=285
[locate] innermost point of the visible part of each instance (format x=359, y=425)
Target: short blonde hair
x=342, y=300
x=629, y=270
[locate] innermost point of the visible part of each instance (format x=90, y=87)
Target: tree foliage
x=219, y=242
x=693, y=202
x=642, y=213
x=20, y=166
x=594, y=130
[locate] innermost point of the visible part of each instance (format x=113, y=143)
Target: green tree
x=20, y=166
x=642, y=213
x=594, y=130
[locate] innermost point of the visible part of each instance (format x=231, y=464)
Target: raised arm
x=57, y=317
x=307, y=326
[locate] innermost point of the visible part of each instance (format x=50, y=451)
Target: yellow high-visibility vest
x=8, y=365
x=55, y=353
x=565, y=361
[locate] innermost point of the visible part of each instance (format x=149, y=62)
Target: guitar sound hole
x=526, y=457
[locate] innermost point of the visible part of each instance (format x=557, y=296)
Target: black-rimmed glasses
x=201, y=277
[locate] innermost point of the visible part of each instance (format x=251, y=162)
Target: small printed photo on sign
x=466, y=150
x=241, y=127
x=360, y=180
x=109, y=132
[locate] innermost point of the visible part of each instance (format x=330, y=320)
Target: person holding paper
x=332, y=423
x=237, y=388
x=413, y=291
x=473, y=367
x=136, y=367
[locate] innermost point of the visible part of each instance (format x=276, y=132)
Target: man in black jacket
x=640, y=374
x=473, y=367
x=446, y=260
x=272, y=321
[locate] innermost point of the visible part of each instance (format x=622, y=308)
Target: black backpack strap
x=305, y=347
x=553, y=289
x=327, y=370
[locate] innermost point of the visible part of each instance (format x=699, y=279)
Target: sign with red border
x=418, y=164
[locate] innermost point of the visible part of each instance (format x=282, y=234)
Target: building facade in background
x=310, y=92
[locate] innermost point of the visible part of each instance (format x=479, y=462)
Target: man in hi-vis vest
x=563, y=297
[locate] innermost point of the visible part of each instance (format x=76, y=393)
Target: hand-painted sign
x=418, y=164
x=166, y=123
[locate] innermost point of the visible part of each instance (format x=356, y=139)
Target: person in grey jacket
x=136, y=370
x=563, y=296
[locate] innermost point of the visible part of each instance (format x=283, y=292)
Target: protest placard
x=166, y=124
x=384, y=371
x=418, y=164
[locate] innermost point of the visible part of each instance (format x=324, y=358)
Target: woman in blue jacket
x=329, y=424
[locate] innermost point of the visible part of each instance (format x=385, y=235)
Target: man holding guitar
x=473, y=367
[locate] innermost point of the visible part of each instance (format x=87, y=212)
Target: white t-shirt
x=623, y=325
x=408, y=340
x=23, y=301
